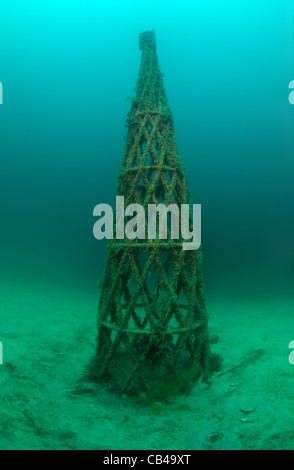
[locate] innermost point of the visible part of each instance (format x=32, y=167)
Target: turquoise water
x=67, y=69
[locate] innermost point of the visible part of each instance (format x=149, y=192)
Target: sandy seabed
x=48, y=338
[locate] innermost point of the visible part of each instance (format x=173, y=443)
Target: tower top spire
x=147, y=39
x=150, y=92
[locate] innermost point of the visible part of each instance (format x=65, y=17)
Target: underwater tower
x=152, y=321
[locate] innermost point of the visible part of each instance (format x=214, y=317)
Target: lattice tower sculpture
x=152, y=321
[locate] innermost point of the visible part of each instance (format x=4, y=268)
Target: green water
x=67, y=70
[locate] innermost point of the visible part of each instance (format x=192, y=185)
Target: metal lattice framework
x=152, y=322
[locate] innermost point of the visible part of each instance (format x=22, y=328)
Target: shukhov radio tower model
x=152, y=322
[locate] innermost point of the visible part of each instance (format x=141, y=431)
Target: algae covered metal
x=152, y=321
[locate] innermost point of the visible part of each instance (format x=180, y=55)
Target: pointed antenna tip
x=147, y=39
